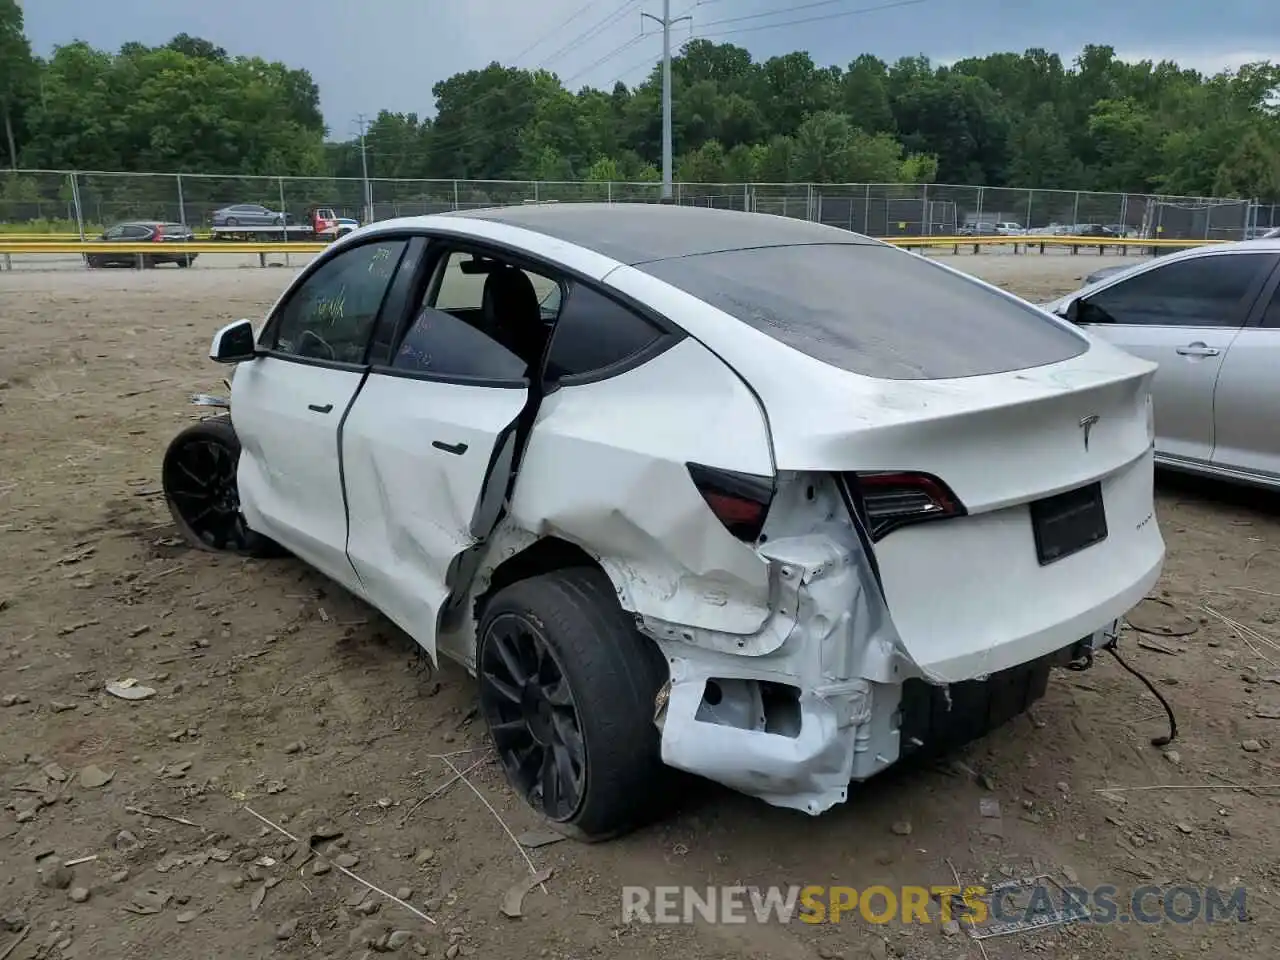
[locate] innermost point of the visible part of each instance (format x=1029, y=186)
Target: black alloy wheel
x=532, y=716
x=199, y=480
x=568, y=690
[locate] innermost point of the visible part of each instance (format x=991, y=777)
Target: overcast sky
x=369, y=55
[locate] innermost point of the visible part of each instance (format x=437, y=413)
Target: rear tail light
x=890, y=500
x=740, y=501
x=158, y=235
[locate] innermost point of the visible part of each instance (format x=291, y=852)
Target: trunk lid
x=977, y=592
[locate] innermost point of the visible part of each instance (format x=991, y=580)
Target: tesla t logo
x=1086, y=424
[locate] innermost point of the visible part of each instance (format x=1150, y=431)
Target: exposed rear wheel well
x=544, y=556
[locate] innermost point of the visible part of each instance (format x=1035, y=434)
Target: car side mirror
x=234, y=343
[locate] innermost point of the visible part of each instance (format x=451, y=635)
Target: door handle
x=1198, y=350
x=455, y=448
x=319, y=409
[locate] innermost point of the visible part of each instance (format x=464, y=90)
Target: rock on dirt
x=93, y=777
x=78, y=894
x=57, y=878
x=398, y=939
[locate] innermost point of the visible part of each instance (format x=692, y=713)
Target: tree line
x=1006, y=119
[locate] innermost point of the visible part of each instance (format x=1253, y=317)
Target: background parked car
x=1210, y=317
x=980, y=229
x=247, y=215
x=144, y=231
x=1009, y=229
x=1091, y=230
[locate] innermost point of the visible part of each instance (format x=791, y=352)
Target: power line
x=592, y=32
x=653, y=61
x=607, y=57
x=775, y=12
x=554, y=30
x=827, y=16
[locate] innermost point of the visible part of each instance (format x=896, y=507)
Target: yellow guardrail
x=1046, y=240
x=160, y=249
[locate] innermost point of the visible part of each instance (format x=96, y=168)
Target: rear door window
x=874, y=310
x=594, y=332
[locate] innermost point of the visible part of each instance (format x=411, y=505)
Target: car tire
x=232, y=222
x=184, y=261
x=199, y=475
x=592, y=693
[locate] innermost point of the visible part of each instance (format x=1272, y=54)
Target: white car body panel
x=635, y=508
x=412, y=504
x=605, y=468
x=289, y=474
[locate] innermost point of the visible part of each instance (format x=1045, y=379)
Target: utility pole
x=364, y=170
x=666, y=23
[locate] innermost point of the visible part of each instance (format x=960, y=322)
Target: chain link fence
x=85, y=203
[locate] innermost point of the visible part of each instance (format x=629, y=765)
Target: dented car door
x=428, y=452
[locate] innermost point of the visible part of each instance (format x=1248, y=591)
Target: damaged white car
x=740, y=495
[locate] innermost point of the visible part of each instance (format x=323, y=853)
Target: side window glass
x=504, y=302
x=1271, y=316
x=441, y=344
x=114, y=233
x=331, y=316
x=457, y=287
x=595, y=332
x=1202, y=292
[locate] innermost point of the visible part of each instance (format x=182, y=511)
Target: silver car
x=247, y=215
x=1210, y=317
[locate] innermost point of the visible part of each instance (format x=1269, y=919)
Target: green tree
x=1006, y=119
x=18, y=76
x=704, y=165
x=865, y=94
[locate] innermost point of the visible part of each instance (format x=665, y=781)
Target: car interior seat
x=512, y=315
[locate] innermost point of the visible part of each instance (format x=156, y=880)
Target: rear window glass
x=874, y=310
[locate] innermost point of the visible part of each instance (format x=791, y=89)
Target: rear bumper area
x=860, y=678
x=801, y=749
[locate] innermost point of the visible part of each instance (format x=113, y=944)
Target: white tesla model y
x=745, y=496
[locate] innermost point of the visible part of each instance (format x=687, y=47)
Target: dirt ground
x=277, y=692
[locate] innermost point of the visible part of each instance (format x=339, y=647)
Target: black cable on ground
x=1173, y=723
